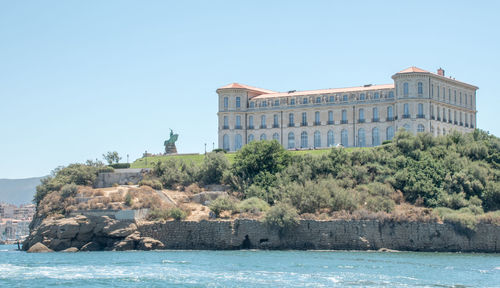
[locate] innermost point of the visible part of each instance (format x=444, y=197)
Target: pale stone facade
x=418, y=100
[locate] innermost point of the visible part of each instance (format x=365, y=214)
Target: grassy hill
x=18, y=191
x=198, y=158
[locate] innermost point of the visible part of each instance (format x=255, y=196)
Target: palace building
x=417, y=100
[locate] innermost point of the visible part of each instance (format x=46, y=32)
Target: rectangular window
x=304, y=119
x=275, y=122
x=292, y=101
x=238, y=122
x=263, y=121
x=290, y=120
x=238, y=102
x=406, y=110
x=226, y=123
x=344, y=116
x=345, y=97
x=330, y=117
x=332, y=99
x=226, y=102
x=316, y=118
x=276, y=102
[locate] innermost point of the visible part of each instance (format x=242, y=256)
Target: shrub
x=462, y=218
x=222, y=203
x=128, y=199
x=308, y=198
x=120, y=165
x=343, y=199
x=69, y=190
x=212, y=168
x=282, y=216
x=380, y=204
x=153, y=183
x=253, y=205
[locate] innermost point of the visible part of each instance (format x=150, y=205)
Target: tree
x=112, y=157
x=259, y=159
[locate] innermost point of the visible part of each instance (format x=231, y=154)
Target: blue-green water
x=247, y=269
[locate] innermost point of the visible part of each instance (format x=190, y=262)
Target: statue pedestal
x=170, y=149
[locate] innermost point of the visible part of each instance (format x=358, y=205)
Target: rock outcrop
x=81, y=233
x=39, y=248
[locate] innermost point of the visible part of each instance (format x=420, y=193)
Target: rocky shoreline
x=81, y=233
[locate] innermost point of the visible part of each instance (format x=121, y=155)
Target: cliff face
x=104, y=233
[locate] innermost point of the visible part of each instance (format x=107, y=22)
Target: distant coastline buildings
x=418, y=101
x=15, y=221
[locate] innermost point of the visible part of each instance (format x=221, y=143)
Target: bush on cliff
x=253, y=205
x=169, y=213
x=173, y=173
x=282, y=216
x=153, y=183
x=212, y=168
x=221, y=204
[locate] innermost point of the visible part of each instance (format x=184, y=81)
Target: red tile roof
x=243, y=86
x=413, y=69
x=326, y=91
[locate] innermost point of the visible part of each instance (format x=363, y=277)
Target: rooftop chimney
x=441, y=72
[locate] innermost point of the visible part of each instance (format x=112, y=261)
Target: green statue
x=170, y=143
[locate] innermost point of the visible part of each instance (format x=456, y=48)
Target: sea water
x=247, y=268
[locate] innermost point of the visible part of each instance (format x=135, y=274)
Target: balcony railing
x=330, y=122
x=455, y=122
x=433, y=118
x=303, y=124
x=361, y=120
x=263, y=126
x=461, y=123
x=225, y=127
x=389, y=119
x=406, y=116
x=317, y=123
x=449, y=121
x=467, y=125
x=276, y=125
x=375, y=120
x=237, y=127
x=251, y=127
x=343, y=122
x=444, y=119
x=291, y=124
x=420, y=116
x=471, y=125
x=439, y=118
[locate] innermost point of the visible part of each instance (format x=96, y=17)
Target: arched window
x=344, y=138
x=303, y=140
x=250, y=138
x=263, y=137
x=361, y=138
x=407, y=127
x=389, y=132
x=276, y=136
x=390, y=115
x=375, y=137
x=250, y=122
x=330, y=139
x=225, y=142
x=238, y=102
x=420, y=128
x=405, y=89
x=317, y=139
x=237, y=142
x=290, y=120
x=420, y=89
x=291, y=140
x=375, y=114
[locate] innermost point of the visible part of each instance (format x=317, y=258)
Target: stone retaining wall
x=328, y=235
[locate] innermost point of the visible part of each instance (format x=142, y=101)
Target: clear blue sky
x=79, y=78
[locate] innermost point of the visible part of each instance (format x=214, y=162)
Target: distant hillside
x=18, y=191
